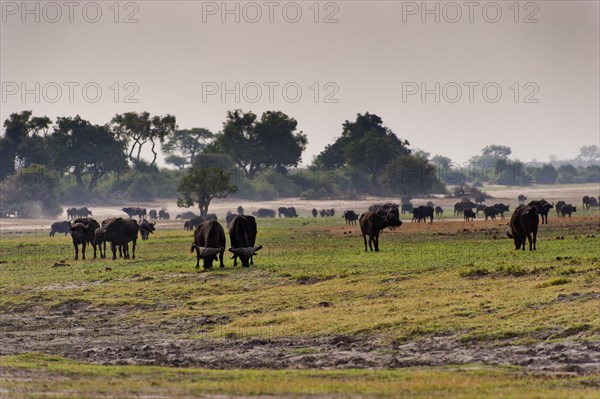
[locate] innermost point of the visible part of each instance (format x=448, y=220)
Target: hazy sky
x=374, y=56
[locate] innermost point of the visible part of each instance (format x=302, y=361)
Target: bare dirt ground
x=86, y=334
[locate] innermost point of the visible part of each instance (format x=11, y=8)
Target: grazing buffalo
x=323, y=213
x=209, y=243
x=468, y=214
x=264, y=213
x=460, y=207
x=186, y=215
x=59, y=227
x=522, y=198
x=439, y=211
x=501, y=208
x=407, y=208
x=371, y=223
x=192, y=223
x=287, y=212
x=152, y=214
x=490, y=212
x=558, y=206
x=422, y=213
x=350, y=216
x=84, y=212
x=82, y=232
x=524, y=225
x=544, y=210
x=146, y=228
x=135, y=211
x=120, y=232
x=568, y=209
x=480, y=208
x=586, y=202
x=163, y=215
x=240, y=210
x=593, y=202
x=315, y=212
x=242, y=234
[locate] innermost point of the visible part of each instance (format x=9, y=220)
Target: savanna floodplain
x=446, y=310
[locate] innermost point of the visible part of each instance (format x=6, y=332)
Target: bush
x=31, y=193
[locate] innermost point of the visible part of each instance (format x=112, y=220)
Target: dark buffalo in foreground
x=209, y=243
x=568, y=209
x=242, y=234
x=82, y=233
x=371, y=223
x=501, y=208
x=490, y=212
x=524, y=225
x=59, y=227
x=468, y=214
x=558, y=206
x=120, y=232
x=350, y=216
x=264, y=213
x=146, y=228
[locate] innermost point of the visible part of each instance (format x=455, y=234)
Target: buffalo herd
x=209, y=236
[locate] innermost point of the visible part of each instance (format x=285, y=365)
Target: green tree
x=335, y=155
x=255, y=145
x=202, y=185
x=187, y=142
x=81, y=148
x=137, y=129
x=547, y=174
x=372, y=153
x=589, y=153
x=20, y=146
x=409, y=175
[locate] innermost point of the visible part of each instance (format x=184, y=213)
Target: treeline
x=254, y=157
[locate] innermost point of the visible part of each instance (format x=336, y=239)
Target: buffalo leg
x=76, y=251
x=365, y=240
x=133, y=249
x=113, y=248
x=83, y=245
x=376, y=242
x=197, y=258
x=221, y=254
x=94, y=245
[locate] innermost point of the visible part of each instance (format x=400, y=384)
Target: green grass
x=46, y=374
x=312, y=279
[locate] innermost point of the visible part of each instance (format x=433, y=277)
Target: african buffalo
x=568, y=209
x=240, y=210
x=146, y=228
x=558, y=206
x=229, y=217
x=372, y=223
x=120, y=232
x=186, y=215
x=163, y=215
x=501, y=208
x=289, y=212
x=59, y=227
x=439, y=211
x=422, y=213
x=82, y=232
x=350, y=216
x=152, y=214
x=264, y=213
x=468, y=214
x=209, y=243
x=407, y=208
x=544, y=210
x=242, y=234
x=586, y=202
x=524, y=225
x=315, y=212
x=490, y=212
x=192, y=223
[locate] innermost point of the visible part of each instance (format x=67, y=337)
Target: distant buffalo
x=407, y=208
x=192, y=223
x=146, y=228
x=152, y=214
x=59, y=227
x=74, y=213
x=350, y=216
x=315, y=213
x=186, y=215
x=264, y=213
x=468, y=214
x=289, y=212
x=558, y=206
x=490, y=212
x=135, y=211
x=501, y=208
x=163, y=215
x=439, y=211
x=568, y=209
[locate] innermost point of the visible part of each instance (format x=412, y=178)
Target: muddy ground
x=79, y=332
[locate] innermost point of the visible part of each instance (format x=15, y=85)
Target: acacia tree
x=202, y=185
x=255, y=145
x=188, y=142
x=82, y=148
x=139, y=129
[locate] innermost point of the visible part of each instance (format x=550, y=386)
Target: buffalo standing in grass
x=315, y=213
x=407, y=208
x=439, y=211
x=468, y=214
x=59, y=227
x=163, y=215
x=567, y=210
x=209, y=243
x=82, y=233
x=350, y=216
x=152, y=214
x=544, y=210
x=264, y=213
x=242, y=234
x=146, y=228
x=371, y=223
x=120, y=232
x=524, y=225
x=490, y=212
x=558, y=207
x=501, y=208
